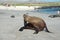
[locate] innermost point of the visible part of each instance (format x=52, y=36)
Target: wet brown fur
x=37, y=24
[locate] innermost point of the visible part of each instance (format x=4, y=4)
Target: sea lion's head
x=25, y=15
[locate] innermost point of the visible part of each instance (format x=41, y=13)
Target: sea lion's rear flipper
x=36, y=30
x=47, y=30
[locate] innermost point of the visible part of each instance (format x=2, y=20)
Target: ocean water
x=48, y=11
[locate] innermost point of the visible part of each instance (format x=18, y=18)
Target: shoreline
x=19, y=7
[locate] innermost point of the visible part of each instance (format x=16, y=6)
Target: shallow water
x=48, y=10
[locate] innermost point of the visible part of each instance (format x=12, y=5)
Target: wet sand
x=9, y=26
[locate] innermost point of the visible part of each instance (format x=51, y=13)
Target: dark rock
x=12, y=16
x=53, y=16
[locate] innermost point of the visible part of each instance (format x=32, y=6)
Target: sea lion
x=32, y=22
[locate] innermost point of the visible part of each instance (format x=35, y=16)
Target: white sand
x=18, y=7
x=9, y=27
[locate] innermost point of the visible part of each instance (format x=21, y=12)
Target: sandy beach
x=9, y=26
x=18, y=7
